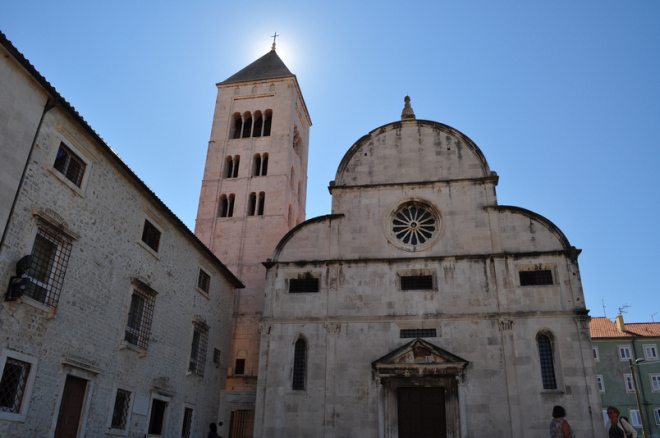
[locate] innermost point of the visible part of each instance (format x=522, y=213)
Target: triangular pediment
x=419, y=357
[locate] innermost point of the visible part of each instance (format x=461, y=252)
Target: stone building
x=253, y=193
x=116, y=320
x=421, y=307
x=628, y=369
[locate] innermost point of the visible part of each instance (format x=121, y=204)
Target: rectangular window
x=630, y=384
x=536, y=278
x=635, y=418
x=121, y=410
x=13, y=384
x=655, y=382
x=601, y=383
x=650, y=352
x=216, y=356
x=70, y=165
x=140, y=314
x=596, y=356
x=204, y=281
x=50, y=256
x=198, y=350
x=418, y=333
x=302, y=285
x=240, y=366
x=624, y=353
x=656, y=415
x=416, y=282
x=151, y=235
x=187, y=423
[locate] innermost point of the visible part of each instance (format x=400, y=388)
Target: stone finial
x=407, y=112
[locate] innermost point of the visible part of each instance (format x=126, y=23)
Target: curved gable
x=411, y=151
x=306, y=240
x=524, y=230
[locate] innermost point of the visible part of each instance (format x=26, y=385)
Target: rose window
x=414, y=224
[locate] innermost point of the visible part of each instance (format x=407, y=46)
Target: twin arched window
x=256, y=204
x=260, y=165
x=231, y=166
x=252, y=125
x=226, y=206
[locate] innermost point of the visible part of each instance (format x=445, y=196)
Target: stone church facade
x=421, y=307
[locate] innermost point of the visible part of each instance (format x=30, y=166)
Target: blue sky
x=562, y=97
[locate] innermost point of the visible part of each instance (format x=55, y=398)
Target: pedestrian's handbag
x=626, y=428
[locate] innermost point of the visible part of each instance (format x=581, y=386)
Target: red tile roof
x=604, y=328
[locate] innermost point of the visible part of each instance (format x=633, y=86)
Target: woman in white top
x=618, y=427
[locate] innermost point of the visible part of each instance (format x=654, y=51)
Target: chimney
x=620, y=324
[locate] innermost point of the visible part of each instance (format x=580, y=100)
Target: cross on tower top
x=274, y=37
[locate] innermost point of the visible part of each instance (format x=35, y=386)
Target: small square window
x=240, y=366
x=121, y=411
x=624, y=353
x=70, y=165
x=630, y=384
x=596, y=356
x=601, y=383
x=204, y=281
x=536, y=278
x=16, y=379
x=151, y=235
x=650, y=352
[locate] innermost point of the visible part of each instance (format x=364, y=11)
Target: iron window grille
x=70, y=165
x=418, y=333
x=140, y=315
x=13, y=384
x=151, y=235
x=50, y=256
x=204, y=281
x=302, y=285
x=187, y=423
x=416, y=282
x=299, y=365
x=547, y=363
x=198, y=351
x=121, y=409
x=536, y=278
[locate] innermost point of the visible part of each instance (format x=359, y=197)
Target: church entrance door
x=421, y=412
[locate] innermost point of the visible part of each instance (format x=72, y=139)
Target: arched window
x=230, y=207
x=256, y=165
x=267, y=122
x=237, y=161
x=262, y=201
x=258, y=124
x=547, y=362
x=254, y=89
x=299, y=364
x=229, y=167
x=252, y=204
x=247, y=126
x=264, y=165
x=238, y=126
x=222, y=206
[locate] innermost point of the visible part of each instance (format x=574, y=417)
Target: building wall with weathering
x=481, y=324
x=82, y=333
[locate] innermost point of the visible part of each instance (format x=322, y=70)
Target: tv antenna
x=623, y=308
x=604, y=314
x=652, y=317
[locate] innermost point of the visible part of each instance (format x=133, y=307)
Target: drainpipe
x=50, y=104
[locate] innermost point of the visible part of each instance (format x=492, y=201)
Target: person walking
x=559, y=427
x=618, y=427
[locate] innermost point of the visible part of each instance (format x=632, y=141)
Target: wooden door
x=71, y=406
x=421, y=412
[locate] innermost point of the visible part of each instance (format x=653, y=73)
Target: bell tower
x=253, y=190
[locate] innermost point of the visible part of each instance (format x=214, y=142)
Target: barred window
x=299, y=364
x=187, y=423
x=151, y=235
x=204, y=281
x=121, y=410
x=305, y=284
x=13, y=384
x=547, y=363
x=416, y=282
x=140, y=314
x=536, y=278
x=418, y=333
x=50, y=256
x=70, y=165
x=198, y=350
x=216, y=356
